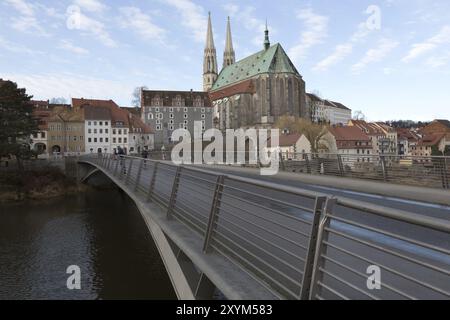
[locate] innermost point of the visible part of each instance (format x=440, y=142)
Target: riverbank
x=36, y=185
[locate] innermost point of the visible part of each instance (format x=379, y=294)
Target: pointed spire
x=209, y=34
x=228, y=55
x=209, y=59
x=266, y=39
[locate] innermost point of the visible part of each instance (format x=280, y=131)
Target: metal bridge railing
x=430, y=171
x=297, y=243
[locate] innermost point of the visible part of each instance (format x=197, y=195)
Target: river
x=101, y=231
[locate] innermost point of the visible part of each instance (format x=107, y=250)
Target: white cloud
x=16, y=48
x=192, y=17
x=315, y=31
x=27, y=21
x=343, y=50
x=22, y=6
x=340, y=52
x=69, y=46
x=133, y=18
x=91, y=5
x=438, y=61
x=385, y=46
x=97, y=29
x=45, y=86
x=419, y=49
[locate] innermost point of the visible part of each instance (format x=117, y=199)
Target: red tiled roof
x=431, y=140
x=348, y=134
x=286, y=140
x=137, y=123
x=238, y=88
x=117, y=114
x=167, y=97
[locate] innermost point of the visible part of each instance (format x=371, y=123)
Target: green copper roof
x=272, y=60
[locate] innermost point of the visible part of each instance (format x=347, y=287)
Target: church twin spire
x=210, y=59
x=228, y=55
x=210, y=70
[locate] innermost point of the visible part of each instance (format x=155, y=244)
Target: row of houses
x=361, y=141
x=89, y=126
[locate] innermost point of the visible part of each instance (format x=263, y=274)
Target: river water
x=101, y=231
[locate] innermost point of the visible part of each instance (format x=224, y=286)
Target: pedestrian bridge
x=226, y=236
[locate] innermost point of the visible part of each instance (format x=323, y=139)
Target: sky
x=389, y=59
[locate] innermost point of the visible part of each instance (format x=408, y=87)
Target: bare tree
x=59, y=100
x=359, y=115
x=136, y=101
x=313, y=132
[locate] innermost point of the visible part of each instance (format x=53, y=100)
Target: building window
x=120, y=131
x=156, y=109
x=101, y=139
x=203, y=110
x=101, y=123
x=101, y=130
x=95, y=123
x=89, y=140
x=120, y=140
x=170, y=109
x=158, y=128
x=171, y=116
x=114, y=140
x=203, y=116
x=185, y=109
x=89, y=123
x=124, y=140
x=106, y=130
x=95, y=139
x=170, y=127
x=185, y=116
x=106, y=123
x=106, y=139
x=150, y=116
x=114, y=131
x=95, y=130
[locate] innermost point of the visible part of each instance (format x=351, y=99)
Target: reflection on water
x=100, y=231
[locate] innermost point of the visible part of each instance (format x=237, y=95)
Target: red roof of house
x=239, y=88
x=286, y=140
x=431, y=140
x=117, y=114
x=348, y=134
x=137, y=123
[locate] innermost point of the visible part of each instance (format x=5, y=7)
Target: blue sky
x=388, y=58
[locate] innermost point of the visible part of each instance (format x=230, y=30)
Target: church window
x=150, y=116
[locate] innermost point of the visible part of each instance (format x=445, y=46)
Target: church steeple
x=228, y=55
x=266, y=39
x=209, y=59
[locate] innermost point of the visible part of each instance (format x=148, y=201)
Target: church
x=255, y=91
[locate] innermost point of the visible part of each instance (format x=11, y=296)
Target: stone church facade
x=255, y=91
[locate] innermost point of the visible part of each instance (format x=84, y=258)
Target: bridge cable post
x=128, y=173
x=384, y=168
x=215, y=207
x=117, y=166
x=444, y=173
x=152, y=182
x=312, y=245
x=308, y=164
x=173, y=196
x=108, y=164
x=138, y=176
x=340, y=165
x=321, y=249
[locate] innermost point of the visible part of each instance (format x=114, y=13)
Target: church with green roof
x=255, y=91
